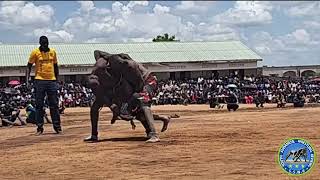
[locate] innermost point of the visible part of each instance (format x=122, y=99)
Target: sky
x=281, y=32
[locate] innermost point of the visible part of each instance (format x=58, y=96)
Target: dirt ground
x=202, y=144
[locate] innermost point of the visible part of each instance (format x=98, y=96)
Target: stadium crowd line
x=250, y=90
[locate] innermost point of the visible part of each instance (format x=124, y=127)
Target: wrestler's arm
x=141, y=74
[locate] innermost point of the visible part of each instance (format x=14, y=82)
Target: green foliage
x=164, y=38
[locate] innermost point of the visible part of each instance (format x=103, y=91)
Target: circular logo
x=296, y=156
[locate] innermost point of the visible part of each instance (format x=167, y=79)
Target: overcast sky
x=283, y=33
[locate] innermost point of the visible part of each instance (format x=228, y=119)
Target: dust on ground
x=202, y=144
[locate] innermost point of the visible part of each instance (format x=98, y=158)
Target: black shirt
x=7, y=111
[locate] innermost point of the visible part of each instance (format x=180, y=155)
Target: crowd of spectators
x=191, y=91
x=250, y=90
x=214, y=91
x=69, y=94
x=14, y=98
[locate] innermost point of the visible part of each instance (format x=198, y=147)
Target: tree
x=164, y=38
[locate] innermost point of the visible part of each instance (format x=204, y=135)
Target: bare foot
x=165, y=124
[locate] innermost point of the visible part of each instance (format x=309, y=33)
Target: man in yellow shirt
x=46, y=73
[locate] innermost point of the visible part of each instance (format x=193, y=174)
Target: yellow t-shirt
x=44, y=63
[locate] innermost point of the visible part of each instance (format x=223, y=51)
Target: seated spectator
x=9, y=113
x=232, y=101
x=213, y=101
x=31, y=114
x=68, y=100
x=250, y=99
x=298, y=100
x=259, y=99
x=281, y=101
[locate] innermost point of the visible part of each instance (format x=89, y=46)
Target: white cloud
x=286, y=4
x=158, y=9
x=117, y=7
x=123, y=23
x=193, y=6
x=25, y=15
x=185, y=5
x=214, y=29
x=102, y=11
x=297, y=41
x=118, y=24
x=261, y=37
x=101, y=28
x=54, y=36
x=132, y=4
x=246, y=13
x=299, y=38
x=219, y=37
x=294, y=48
x=265, y=44
x=315, y=25
x=195, y=11
x=304, y=9
x=263, y=49
x=86, y=6
x=13, y=3
x=208, y=32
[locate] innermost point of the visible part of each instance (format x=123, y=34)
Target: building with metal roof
x=189, y=58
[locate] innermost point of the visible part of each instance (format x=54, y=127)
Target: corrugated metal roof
x=153, y=52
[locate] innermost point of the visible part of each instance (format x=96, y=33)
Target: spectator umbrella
x=14, y=82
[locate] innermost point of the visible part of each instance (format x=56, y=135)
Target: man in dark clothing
x=298, y=100
x=232, y=101
x=259, y=99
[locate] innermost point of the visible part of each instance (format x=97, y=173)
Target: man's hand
x=28, y=78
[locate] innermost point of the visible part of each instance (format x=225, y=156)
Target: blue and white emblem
x=296, y=156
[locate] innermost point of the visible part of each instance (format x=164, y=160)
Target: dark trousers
x=232, y=106
x=49, y=88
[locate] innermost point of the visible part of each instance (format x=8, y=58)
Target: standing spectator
x=46, y=73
